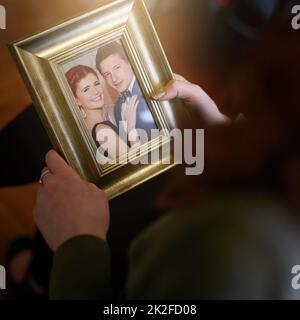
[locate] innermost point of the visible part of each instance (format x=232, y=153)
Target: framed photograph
x=91, y=79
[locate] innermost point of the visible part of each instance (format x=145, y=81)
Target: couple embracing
x=131, y=112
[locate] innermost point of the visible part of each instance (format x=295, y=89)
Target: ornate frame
x=39, y=58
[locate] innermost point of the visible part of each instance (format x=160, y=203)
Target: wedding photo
x=110, y=99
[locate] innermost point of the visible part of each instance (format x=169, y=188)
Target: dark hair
x=75, y=74
x=108, y=50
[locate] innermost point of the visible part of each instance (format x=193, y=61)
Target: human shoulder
x=226, y=213
x=105, y=125
x=205, y=251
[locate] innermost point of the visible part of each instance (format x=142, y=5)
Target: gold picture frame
x=41, y=58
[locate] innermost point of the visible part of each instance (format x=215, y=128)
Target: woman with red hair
x=89, y=95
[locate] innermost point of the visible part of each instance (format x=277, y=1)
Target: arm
x=73, y=217
x=81, y=270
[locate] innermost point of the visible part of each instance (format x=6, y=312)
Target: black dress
x=113, y=127
x=106, y=123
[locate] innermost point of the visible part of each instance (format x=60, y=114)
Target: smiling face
x=117, y=72
x=89, y=93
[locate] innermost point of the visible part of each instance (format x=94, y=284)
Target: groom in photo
x=114, y=66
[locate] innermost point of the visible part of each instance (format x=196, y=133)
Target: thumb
x=57, y=164
x=190, y=93
x=177, y=89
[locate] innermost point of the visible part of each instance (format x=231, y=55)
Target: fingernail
x=159, y=95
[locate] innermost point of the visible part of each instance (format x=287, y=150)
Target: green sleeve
x=81, y=270
x=214, y=251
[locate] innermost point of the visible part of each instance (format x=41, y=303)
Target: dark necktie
x=126, y=94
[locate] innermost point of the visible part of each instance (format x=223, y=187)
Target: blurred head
x=86, y=87
x=114, y=66
x=261, y=153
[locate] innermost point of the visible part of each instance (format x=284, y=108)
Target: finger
x=180, y=78
x=130, y=100
x=132, y=111
x=39, y=193
x=126, y=112
x=135, y=106
x=57, y=164
x=39, y=201
x=161, y=95
x=134, y=100
x=178, y=89
x=129, y=104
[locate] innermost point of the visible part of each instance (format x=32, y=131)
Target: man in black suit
x=114, y=66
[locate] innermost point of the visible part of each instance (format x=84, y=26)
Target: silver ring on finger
x=44, y=173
